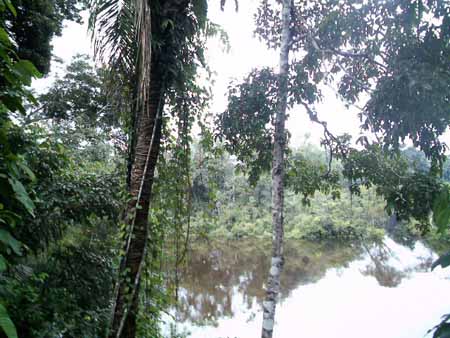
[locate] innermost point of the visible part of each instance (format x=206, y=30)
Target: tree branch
x=345, y=53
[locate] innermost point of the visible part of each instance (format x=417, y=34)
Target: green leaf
x=4, y=38
x=6, y=323
x=441, y=210
x=10, y=7
x=27, y=171
x=3, y=263
x=13, y=103
x=26, y=71
x=29, y=68
x=22, y=195
x=9, y=218
x=8, y=239
x=443, y=261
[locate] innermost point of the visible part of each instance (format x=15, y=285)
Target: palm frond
x=113, y=27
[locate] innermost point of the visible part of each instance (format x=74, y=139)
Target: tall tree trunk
x=146, y=153
x=273, y=284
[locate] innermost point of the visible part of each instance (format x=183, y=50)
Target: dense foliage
x=227, y=204
x=34, y=23
x=68, y=157
x=62, y=281
x=15, y=201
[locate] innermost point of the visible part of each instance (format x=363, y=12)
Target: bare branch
x=345, y=53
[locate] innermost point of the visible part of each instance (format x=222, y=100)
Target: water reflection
x=223, y=286
x=214, y=273
x=379, y=268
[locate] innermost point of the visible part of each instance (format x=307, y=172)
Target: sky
x=246, y=53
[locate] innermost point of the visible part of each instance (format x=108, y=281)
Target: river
x=383, y=290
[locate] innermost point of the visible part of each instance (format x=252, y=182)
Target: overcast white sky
x=246, y=53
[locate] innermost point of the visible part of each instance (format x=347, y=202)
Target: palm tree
x=144, y=42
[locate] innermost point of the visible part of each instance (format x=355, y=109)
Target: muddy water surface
x=383, y=290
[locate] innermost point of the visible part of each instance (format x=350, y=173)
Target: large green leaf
x=4, y=38
x=6, y=323
x=26, y=70
x=26, y=170
x=8, y=239
x=22, y=195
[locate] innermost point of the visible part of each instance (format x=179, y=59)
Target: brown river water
x=383, y=290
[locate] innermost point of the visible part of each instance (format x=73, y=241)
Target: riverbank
x=347, y=218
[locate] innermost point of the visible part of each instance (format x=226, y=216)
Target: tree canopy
x=104, y=183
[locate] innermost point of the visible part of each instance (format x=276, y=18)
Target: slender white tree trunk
x=273, y=284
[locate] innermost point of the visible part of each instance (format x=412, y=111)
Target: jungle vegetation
x=110, y=175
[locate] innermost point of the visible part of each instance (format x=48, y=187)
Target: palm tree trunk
x=146, y=153
x=273, y=284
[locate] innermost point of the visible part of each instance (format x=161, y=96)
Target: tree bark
x=273, y=284
x=150, y=89
x=146, y=154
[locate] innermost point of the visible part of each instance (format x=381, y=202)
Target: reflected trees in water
x=214, y=275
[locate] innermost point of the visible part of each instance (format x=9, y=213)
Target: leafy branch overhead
x=396, y=52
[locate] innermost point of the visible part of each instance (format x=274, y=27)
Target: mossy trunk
x=148, y=139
